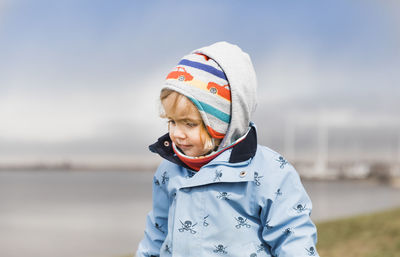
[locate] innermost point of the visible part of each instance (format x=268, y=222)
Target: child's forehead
x=187, y=117
x=180, y=108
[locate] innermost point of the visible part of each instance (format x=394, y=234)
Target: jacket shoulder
x=166, y=165
x=272, y=164
x=270, y=157
x=168, y=169
x=274, y=175
x=267, y=152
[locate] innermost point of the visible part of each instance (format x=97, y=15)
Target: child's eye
x=191, y=124
x=171, y=122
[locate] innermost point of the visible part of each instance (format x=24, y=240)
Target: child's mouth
x=183, y=147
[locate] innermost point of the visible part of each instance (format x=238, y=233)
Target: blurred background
x=79, y=85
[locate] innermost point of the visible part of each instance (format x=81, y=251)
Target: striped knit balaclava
x=202, y=80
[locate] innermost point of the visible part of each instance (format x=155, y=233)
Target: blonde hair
x=209, y=142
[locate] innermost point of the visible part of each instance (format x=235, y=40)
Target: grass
x=372, y=235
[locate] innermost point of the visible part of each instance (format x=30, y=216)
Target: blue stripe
x=211, y=110
x=204, y=67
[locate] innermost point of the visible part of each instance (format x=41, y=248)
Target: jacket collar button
x=166, y=143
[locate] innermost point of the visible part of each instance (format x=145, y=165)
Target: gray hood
x=242, y=79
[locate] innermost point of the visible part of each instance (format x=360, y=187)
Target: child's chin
x=190, y=153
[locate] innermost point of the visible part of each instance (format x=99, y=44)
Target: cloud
x=300, y=77
x=48, y=115
x=90, y=83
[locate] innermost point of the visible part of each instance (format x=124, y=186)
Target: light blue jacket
x=248, y=201
x=252, y=208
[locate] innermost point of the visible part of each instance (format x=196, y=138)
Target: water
x=96, y=214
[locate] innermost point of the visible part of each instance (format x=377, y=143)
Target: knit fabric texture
x=202, y=80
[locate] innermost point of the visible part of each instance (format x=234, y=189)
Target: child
x=218, y=193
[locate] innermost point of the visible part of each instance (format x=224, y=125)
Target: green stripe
x=211, y=110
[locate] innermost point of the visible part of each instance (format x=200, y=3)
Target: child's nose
x=178, y=132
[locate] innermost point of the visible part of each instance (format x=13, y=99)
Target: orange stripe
x=214, y=133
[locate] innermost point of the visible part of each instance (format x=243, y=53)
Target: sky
x=80, y=80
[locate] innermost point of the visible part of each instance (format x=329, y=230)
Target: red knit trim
x=197, y=163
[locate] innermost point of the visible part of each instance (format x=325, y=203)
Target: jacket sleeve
x=156, y=221
x=288, y=229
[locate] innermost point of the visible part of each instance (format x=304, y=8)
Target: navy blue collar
x=243, y=151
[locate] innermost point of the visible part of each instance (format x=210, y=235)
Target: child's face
x=184, y=124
